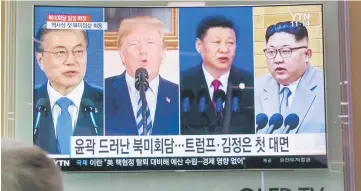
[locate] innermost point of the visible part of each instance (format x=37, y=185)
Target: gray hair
x=25, y=167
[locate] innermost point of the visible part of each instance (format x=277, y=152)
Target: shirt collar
x=292, y=86
x=75, y=95
x=209, y=78
x=153, y=85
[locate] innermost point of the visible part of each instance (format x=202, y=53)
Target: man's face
x=218, y=48
x=287, y=70
x=64, y=68
x=143, y=47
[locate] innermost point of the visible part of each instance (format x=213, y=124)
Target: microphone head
x=236, y=92
x=188, y=93
x=203, y=93
x=261, y=120
x=219, y=94
x=141, y=71
x=292, y=121
x=276, y=121
x=141, y=77
x=41, y=104
x=88, y=102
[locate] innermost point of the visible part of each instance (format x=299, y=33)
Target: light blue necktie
x=64, y=128
x=140, y=119
x=284, y=106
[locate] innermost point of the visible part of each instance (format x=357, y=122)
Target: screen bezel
x=329, y=82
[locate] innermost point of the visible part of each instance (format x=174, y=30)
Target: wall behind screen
x=331, y=180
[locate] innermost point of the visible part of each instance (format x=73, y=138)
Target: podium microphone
x=236, y=99
x=261, y=121
x=275, y=123
x=202, y=100
x=40, y=110
x=91, y=109
x=187, y=99
x=142, y=85
x=219, y=97
x=291, y=123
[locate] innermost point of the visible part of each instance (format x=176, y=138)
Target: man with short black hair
x=216, y=43
x=293, y=85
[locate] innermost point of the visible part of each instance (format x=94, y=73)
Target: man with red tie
x=216, y=43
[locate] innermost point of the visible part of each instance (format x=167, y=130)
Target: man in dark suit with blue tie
x=141, y=45
x=65, y=105
x=216, y=43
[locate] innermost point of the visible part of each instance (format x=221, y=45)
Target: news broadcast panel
x=191, y=88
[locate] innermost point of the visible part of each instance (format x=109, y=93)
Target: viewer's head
x=25, y=167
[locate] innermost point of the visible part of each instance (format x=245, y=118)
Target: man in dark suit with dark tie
x=216, y=43
x=65, y=105
x=141, y=45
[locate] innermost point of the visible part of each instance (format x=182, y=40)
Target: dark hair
x=43, y=31
x=295, y=28
x=213, y=21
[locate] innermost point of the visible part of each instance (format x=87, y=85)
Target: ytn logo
x=300, y=18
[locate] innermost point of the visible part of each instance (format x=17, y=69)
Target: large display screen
x=191, y=88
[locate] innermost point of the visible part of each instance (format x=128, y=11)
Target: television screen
x=191, y=88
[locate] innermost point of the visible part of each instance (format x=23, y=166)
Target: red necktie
x=215, y=84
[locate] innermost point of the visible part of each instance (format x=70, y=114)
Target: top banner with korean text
x=191, y=88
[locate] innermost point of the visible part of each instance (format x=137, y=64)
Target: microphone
x=261, y=121
x=142, y=85
x=291, y=123
x=187, y=98
x=236, y=99
x=219, y=97
x=275, y=123
x=202, y=100
x=40, y=110
x=91, y=109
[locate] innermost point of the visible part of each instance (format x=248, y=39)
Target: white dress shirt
x=292, y=88
x=209, y=79
x=151, y=95
x=75, y=96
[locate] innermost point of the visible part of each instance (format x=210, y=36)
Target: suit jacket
x=196, y=123
x=84, y=126
x=308, y=101
x=119, y=113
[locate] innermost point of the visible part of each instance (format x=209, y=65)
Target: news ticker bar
x=192, y=163
x=197, y=145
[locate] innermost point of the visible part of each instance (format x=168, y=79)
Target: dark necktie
x=64, y=129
